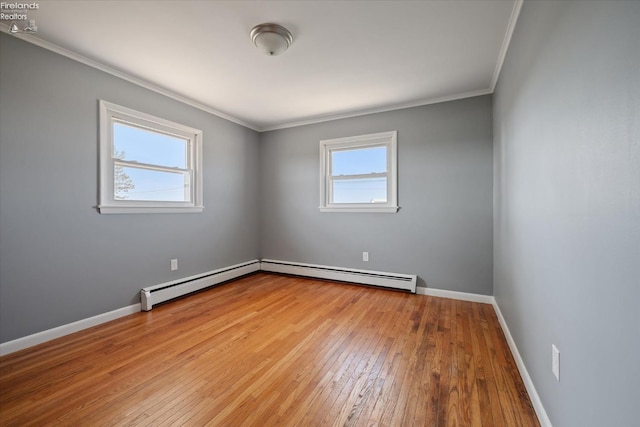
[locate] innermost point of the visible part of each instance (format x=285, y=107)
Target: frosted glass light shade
x=272, y=39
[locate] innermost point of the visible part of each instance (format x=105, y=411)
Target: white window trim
x=388, y=139
x=108, y=204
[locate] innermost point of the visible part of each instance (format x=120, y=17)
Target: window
x=148, y=164
x=359, y=173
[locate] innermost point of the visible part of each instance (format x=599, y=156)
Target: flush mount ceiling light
x=272, y=39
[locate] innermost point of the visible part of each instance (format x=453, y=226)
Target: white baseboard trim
x=528, y=382
x=464, y=296
x=526, y=378
x=69, y=328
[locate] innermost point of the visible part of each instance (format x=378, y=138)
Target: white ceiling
x=347, y=57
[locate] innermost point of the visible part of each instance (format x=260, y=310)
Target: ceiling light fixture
x=272, y=39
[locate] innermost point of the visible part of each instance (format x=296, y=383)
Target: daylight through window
x=358, y=174
x=148, y=164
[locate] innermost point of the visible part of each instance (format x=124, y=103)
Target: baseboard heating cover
x=156, y=294
x=405, y=282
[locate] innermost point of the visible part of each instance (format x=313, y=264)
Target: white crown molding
x=331, y=117
x=123, y=75
x=515, y=12
x=511, y=26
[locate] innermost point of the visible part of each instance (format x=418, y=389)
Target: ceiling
x=347, y=58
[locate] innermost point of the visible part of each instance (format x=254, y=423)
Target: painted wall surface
x=62, y=261
x=567, y=205
x=443, y=231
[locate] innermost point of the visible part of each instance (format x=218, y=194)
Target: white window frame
x=386, y=139
x=111, y=113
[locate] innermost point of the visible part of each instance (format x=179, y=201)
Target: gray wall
x=60, y=260
x=443, y=232
x=567, y=206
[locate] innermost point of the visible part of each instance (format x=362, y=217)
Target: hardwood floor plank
x=269, y=350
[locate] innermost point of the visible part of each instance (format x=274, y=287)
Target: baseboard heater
x=156, y=294
x=405, y=282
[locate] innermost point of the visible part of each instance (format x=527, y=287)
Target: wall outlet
x=365, y=256
x=555, y=361
x=174, y=264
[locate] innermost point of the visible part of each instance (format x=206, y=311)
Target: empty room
x=303, y=213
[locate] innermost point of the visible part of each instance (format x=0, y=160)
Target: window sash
x=110, y=114
x=357, y=179
x=187, y=186
x=364, y=150
x=185, y=139
x=359, y=176
x=188, y=171
x=327, y=178
x=133, y=164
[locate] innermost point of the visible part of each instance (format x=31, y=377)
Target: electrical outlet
x=174, y=264
x=365, y=256
x=555, y=361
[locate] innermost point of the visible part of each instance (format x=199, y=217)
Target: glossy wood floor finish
x=275, y=350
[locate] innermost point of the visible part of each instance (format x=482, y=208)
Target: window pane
x=144, y=146
x=359, y=161
x=369, y=190
x=143, y=184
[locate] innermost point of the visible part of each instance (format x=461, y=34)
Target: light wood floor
x=276, y=350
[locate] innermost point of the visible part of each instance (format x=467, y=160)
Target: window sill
x=148, y=209
x=377, y=209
